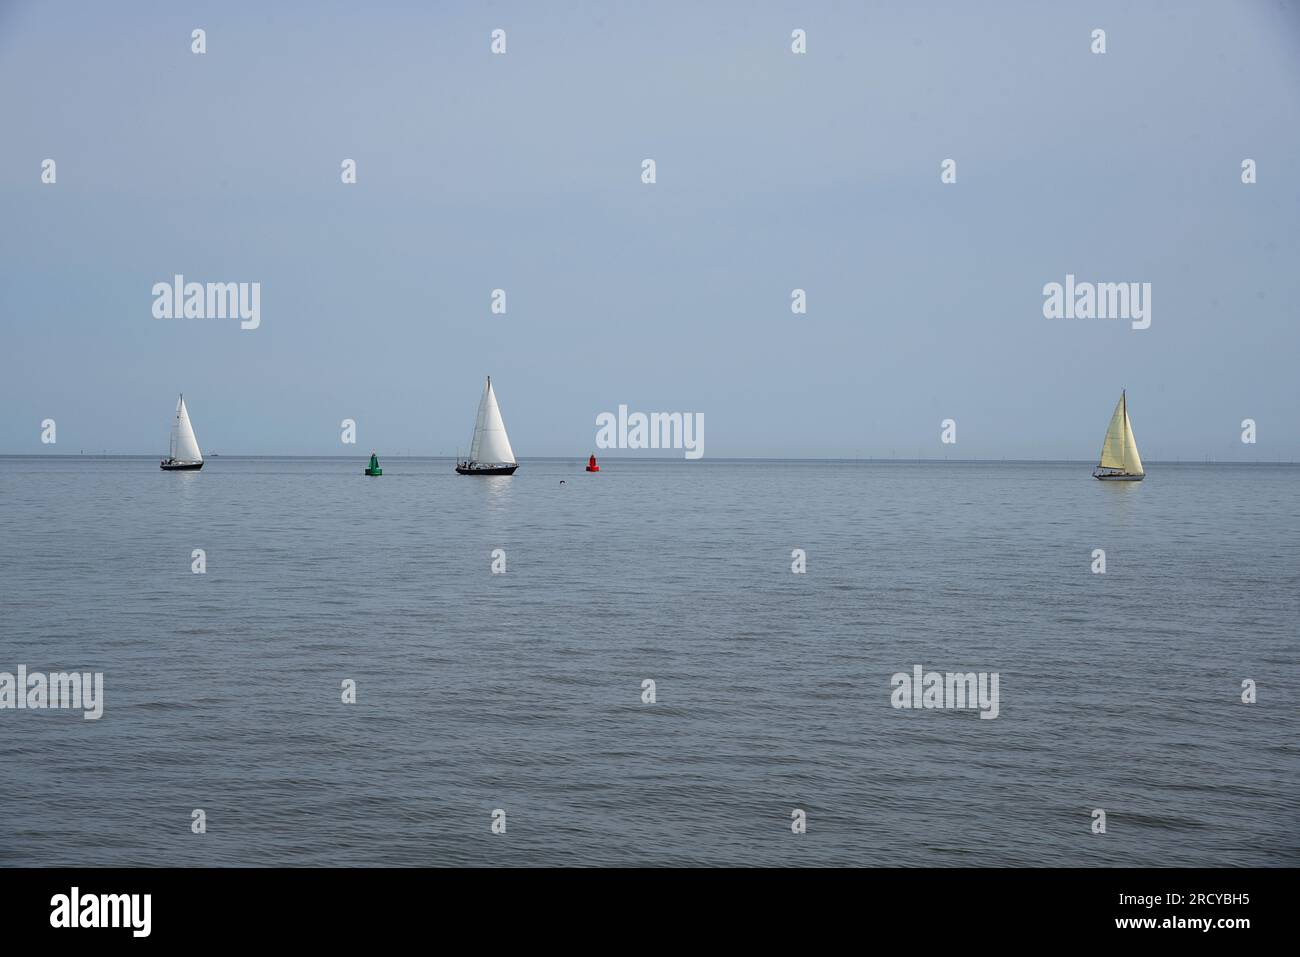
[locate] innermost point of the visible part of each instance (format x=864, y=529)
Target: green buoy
x=373, y=468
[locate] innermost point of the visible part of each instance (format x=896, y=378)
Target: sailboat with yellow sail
x=1120, y=461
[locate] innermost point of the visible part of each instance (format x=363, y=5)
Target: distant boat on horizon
x=489, y=451
x=184, y=454
x=1120, y=461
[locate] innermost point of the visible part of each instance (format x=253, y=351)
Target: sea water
x=520, y=695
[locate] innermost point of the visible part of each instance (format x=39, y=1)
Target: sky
x=775, y=171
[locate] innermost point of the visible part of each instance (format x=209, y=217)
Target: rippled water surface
x=522, y=691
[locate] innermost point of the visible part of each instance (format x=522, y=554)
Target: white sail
x=184, y=446
x=476, y=438
x=490, y=445
x=1119, y=449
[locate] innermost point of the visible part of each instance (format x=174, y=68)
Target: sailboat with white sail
x=489, y=451
x=184, y=454
x=1120, y=461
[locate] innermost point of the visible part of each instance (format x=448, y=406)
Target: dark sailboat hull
x=462, y=469
x=180, y=466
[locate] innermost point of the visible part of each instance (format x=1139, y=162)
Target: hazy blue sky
x=775, y=171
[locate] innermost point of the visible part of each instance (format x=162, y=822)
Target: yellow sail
x=1112, y=447
x=1132, y=461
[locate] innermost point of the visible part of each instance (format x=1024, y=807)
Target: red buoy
x=591, y=465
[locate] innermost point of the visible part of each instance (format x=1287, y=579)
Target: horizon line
x=647, y=458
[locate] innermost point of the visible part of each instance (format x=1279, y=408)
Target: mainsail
x=490, y=445
x=1118, y=449
x=184, y=446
